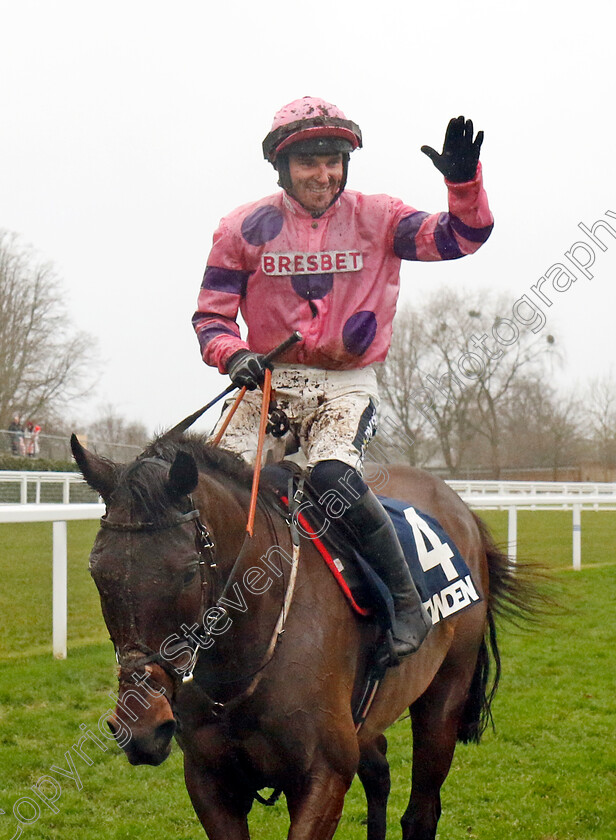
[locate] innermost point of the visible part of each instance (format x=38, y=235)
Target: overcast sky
x=130, y=128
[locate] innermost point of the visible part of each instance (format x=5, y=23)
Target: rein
x=257, y=674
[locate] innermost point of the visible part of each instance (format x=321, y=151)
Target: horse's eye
x=189, y=575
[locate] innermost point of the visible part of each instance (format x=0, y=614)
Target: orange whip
x=267, y=390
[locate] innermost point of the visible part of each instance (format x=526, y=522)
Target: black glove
x=460, y=156
x=247, y=369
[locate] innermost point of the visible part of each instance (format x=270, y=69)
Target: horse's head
x=147, y=563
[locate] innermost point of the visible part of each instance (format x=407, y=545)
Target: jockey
x=324, y=260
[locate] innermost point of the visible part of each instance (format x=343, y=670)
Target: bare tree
x=600, y=416
x=543, y=428
x=494, y=384
x=455, y=366
x=398, y=378
x=111, y=428
x=426, y=339
x=446, y=398
x=43, y=361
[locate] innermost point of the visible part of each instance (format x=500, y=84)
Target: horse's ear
x=98, y=472
x=183, y=475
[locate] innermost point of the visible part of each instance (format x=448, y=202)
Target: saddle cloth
x=441, y=575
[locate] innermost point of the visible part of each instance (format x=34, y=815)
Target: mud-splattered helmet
x=311, y=126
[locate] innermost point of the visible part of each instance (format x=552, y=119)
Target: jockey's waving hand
x=460, y=156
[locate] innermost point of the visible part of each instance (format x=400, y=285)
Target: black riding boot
x=380, y=545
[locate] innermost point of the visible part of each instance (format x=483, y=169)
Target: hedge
x=21, y=463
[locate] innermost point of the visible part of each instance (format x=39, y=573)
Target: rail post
x=512, y=534
x=60, y=584
x=577, y=536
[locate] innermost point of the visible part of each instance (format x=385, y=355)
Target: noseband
x=130, y=527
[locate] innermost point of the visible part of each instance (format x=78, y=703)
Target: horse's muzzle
x=147, y=748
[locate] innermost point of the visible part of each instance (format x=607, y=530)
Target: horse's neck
x=220, y=506
x=250, y=581
x=239, y=556
x=224, y=509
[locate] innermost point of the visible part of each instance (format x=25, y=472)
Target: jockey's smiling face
x=315, y=179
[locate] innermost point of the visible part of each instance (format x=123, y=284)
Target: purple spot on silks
x=312, y=286
x=262, y=225
x=359, y=331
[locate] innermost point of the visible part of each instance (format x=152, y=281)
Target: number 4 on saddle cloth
x=441, y=575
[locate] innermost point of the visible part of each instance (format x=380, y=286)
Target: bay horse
x=276, y=672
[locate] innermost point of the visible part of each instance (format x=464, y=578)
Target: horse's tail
x=515, y=595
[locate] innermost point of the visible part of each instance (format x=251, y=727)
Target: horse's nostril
x=165, y=731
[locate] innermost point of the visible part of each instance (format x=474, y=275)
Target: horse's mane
x=144, y=484
x=208, y=457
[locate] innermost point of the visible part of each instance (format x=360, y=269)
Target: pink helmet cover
x=305, y=109
x=307, y=118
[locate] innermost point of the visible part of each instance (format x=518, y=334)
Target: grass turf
x=548, y=772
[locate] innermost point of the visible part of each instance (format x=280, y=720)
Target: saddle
x=440, y=572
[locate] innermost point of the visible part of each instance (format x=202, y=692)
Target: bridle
x=138, y=655
x=206, y=547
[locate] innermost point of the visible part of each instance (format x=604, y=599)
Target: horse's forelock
x=143, y=486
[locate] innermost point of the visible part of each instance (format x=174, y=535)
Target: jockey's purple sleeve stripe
x=208, y=333
x=444, y=239
x=404, y=237
x=472, y=234
x=225, y=280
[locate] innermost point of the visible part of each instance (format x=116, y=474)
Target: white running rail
x=58, y=515
x=27, y=478
x=531, y=487
x=575, y=501
x=463, y=487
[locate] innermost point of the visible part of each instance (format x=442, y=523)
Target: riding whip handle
x=273, y=354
